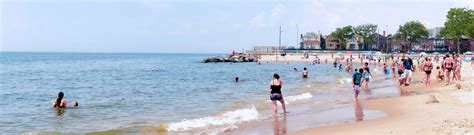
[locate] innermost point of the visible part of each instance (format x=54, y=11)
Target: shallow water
x=167, y=92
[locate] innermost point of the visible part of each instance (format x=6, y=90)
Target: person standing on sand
x=409, y=69
x=427, y=67
x=457, y=71
x=393, y=67
x=457, y=64
x=440, y=73
x=275, y=93
x=448, y=64
x=356, y=80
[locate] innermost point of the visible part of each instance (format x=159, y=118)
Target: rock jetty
x=240, y=57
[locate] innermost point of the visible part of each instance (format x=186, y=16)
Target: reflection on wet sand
x=279, y=127
x=359, y=114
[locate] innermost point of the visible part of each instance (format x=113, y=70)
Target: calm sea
x=165, y=92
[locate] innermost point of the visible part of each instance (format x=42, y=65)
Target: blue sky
x=192, y=26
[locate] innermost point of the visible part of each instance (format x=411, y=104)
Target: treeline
x=459, y=24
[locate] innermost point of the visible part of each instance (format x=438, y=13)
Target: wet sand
x=307, y=116
x=412, y=114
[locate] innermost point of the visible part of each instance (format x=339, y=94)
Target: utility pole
x=279, y=45
x=279, y=40
x=386, y=36
x=297, y=36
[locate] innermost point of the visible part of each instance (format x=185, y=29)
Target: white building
x=310, y=40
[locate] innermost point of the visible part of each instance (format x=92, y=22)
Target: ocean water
x=166, y=93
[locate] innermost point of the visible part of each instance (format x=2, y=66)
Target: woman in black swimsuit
x=305, y=73
x=448, y=64
x=275, y=94
x=427, y=67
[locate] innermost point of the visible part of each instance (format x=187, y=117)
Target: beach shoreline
x=414, y=114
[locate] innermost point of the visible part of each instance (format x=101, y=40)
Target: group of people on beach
x=402, y=65
x=449, y=65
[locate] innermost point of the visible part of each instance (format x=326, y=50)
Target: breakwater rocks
x=231, y=58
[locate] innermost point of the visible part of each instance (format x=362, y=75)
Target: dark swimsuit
x=429, y=71
x=449, y=69
x=275, y=94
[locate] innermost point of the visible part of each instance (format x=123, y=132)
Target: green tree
x=412, y=31
x=459, y=23
x=342, y=35
x=366, y=30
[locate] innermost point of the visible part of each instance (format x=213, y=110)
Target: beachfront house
x=310, y=40
x=331, y=43
x=376, y=42
x=354, y=42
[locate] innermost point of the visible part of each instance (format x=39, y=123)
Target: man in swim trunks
x=356, y=79
x=409, y=68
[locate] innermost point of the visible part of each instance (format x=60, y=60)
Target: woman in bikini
x=275, y=93
x=457, y=68
x=448, y=64
x=427, y=67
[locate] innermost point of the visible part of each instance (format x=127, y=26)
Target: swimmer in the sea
x=75, y=104
x=60, y=102
x=305, y=73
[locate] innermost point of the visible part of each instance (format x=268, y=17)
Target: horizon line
x=105, y=52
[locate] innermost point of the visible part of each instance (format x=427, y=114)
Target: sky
x=191, y=26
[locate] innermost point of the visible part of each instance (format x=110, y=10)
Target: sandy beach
x=451, y=111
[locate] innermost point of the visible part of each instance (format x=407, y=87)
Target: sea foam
x=226, y=119
x=297, y=97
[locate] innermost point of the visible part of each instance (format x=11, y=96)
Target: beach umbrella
x=423, y=54
x=468, y=53
x=436, y=53
x=339, y=53
x=413, y=53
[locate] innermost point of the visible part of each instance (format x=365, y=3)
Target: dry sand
x=428, y=110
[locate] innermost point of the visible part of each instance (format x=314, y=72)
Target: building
x=438, y=44
x=377, y=42
x=354, y=42
x=264, y=50
x=434, y=31
x=310, y=40
x=331, y=43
